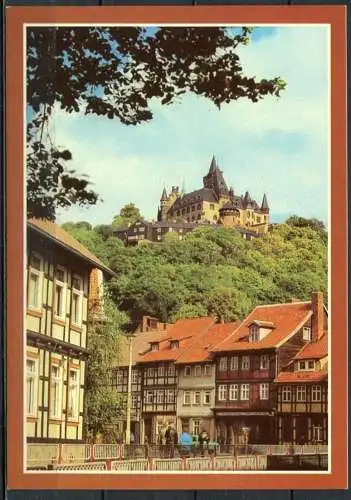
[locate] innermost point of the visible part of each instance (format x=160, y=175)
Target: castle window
x=212, y=207
x=199, y=206
x=193, y=208
x=187, y=210
x=198, y=216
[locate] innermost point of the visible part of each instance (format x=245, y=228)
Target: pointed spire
x=164, y=195
x=231, y=192
x=183, y=191
x=213, y=165
x=264, y=206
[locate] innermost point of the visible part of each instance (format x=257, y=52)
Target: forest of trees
x=211, y=271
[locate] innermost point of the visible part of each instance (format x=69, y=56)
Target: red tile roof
x=199, y=349
x=184, y=331
x=314, y=350
x=61, y=237
x=303, y=376
x=287, y=319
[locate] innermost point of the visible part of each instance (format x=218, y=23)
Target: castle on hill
x=214, y=203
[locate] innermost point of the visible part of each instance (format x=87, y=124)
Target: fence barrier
x=84, y=466
x=132, y=465
x=61, y=454
x=167, y=464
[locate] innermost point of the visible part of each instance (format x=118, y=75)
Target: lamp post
x=129, y=393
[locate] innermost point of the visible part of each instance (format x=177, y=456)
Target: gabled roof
x=140, y=344
x=314, y=350
x=184, y=331
x=287, y=318
x=199, y=349
x=203, y=194
x=59, y=236
x=302, y=376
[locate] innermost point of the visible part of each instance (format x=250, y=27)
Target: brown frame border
x=15, y=18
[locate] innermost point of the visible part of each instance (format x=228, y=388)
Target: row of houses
x=265, y=377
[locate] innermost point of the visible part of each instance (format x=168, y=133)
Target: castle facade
x=214, y=203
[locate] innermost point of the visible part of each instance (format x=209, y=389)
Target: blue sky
x=276, y=146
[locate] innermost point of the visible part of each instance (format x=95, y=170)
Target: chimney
x=96, y=292
x=317, y=321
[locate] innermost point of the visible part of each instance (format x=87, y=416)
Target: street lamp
x=129, y=393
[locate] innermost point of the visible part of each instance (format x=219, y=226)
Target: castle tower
x=264, y=206
x=163, y=208
x=215, y=180
x=229, y=215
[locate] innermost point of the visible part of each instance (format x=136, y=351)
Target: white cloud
x=277, y=146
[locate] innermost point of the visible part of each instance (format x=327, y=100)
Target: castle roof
x=164, y=195
x=264, y=205
x=203, y=194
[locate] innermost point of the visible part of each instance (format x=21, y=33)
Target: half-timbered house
x=248, y=361
x=302, y=395
x=63, y=279
x=196, y=380
x=159, y=376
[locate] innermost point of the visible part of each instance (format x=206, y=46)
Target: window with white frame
x=73, y=394
x=187, y=371
x=35, y=282
x=286, y=394
x=135, y=377
x=171, y=370
x=254, y=335
x=207, y=397
x=77, y=300
x=310, y=364
x=245, y=392
x=264, y=391
x=223, y=364
x=316, y=393
x=149, y=397
x=207, y=370
x=150, y=371
x=245, y=363
x=264, y=362
x=60, y=293
x=317, y=433
x=170, y=396
x=160, y=397
x=155, y=346
x=302, y=365
x=300, y=393
x=197, y=371
x=234, y=363
x=56, y=391
x=306, y=333
x=233, y=392
x=196, y=427
x=197, y=398
x=222, y=392
x=32, y=386
x=187, y=398
x=174, y=344
x=161, y=371
x=134, y=401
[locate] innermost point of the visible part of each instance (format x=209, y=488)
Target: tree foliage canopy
x=115, y=72
x=216, y=272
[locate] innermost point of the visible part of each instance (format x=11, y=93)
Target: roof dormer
x=155, y=346
x=174, y=344
x=259, y=329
